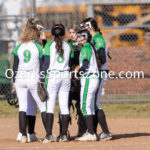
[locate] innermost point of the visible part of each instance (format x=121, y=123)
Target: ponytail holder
x=39, y=26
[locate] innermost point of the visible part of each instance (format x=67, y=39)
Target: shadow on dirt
x=130, y=135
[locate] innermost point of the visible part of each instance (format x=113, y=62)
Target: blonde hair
x=30, y=31
x=76, y=28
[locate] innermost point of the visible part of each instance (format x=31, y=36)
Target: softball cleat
x=105, y=136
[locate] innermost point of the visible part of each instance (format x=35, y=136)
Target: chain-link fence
x=126, y=31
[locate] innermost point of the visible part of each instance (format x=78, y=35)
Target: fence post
x=90, y=10
x=33, y=8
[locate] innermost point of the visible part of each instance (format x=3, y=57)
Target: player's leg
x=60, y=117
x=22, y=99
x=31, y=113
x=31, y=118
x=52, y=88
x=32, y=86
x=100, y=113
x=60, y=126
x=63, y=97
x=81, y=122
x=87, y=106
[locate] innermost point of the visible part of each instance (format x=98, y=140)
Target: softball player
x=27, y=62
x=75, y=84
x=97, y=39
x=32, y=106
x=89, y=83
x=57, y=56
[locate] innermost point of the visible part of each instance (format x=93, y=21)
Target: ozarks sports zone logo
x=60, y=59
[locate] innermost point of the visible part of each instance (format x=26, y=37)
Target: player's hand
x=14, y=87
x=42, y=36
x=77, y=68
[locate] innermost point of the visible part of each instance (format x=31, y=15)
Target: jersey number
x=27, y=56
x=60, y=59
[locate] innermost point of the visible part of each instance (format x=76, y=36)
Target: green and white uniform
x=58, y=78
x=89, y=81
x=99, y=44
x=27, y=76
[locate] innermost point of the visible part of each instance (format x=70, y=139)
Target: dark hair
x=85, y=31
x=58, y=31
x=93, y=24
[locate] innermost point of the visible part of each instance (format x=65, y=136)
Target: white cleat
x=76, y=139
x=32, y=138
x=49, y=139
x=19, y=136
x=63, y=138
x=23, y=139
x=105, y=136
x=87, y=137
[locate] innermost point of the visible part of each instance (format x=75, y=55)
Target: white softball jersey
x=58, y=85
x=29, y=55
x=58, y=62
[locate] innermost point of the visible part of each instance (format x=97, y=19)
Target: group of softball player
x=50, y=63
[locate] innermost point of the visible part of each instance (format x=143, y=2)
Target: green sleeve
x=99, y=42
x=71, y=53
x=47, y=48
x=15, y=52
x=86, y=53
x=40, y=49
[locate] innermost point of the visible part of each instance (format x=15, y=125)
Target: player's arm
x=15, y=67
x=84, y=66
x=45, y=66
x=16, y=61
x=72, y=58
x=100, y=47
x=46, y=61
x=86, y=54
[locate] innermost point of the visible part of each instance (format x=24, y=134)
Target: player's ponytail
x=58, y=31
x=59, y=42
x=29, y=31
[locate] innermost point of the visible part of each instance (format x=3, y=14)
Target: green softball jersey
x=28, y=54
x=100, y=43
x=87, y=53
x=58, y=62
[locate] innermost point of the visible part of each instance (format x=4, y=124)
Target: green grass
x=127, y=110
x=126, y=97
x=4, y=56
x=112, y=110
x=6, y=110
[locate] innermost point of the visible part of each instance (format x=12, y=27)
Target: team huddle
x=86, y=52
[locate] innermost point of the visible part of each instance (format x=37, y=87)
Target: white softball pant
x=89, y=86
x=98, y=94
x=60, y=86
x=23, y=86
x=31, y=105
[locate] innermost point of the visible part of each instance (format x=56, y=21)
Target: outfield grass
x=3, y=56
x=119, y=110
x=125, y=97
